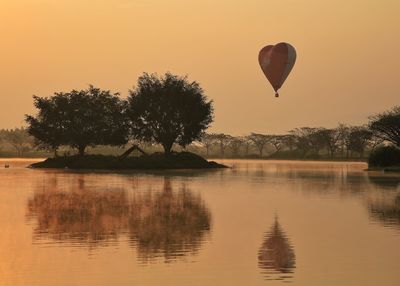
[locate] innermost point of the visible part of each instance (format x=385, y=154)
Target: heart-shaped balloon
x=276, y=62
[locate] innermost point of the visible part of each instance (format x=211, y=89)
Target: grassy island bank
x=182, y=160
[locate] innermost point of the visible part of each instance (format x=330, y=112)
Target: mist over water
x=257, y=223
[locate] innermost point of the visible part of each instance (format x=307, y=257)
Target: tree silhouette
x=223, y=141
x=259, y=140
x=168, y=109
x=79, y=119
x=386, y=125
x=359, y=138
x=277, y=141
x=19, y=139
x=207, y=140
x=236, y=143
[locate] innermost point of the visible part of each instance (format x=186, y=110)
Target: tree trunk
x=81, y=150
x=167, y=148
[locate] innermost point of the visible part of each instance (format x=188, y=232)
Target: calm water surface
x=258, y=223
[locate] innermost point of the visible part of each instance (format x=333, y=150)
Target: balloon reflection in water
x=162, y=223
x=276, y=256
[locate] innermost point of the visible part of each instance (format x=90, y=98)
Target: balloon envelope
x=276, y=62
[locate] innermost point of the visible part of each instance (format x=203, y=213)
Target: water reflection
x=79, y=215
x=385, y=209
x=276, y=256
x=384, y=202
x=168, y=224
x=384, y=181
x=159, y=223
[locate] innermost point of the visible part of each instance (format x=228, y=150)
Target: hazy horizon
x=346, y=69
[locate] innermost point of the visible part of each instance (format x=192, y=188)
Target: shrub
x=384, y=157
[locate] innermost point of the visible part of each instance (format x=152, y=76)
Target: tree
x=79, y=119
x=307, y=139
x=386, y=125
x=331, y=138
x=259, y=140
x=207, y=140
x=235, y=144
x=168, y=110
x=359, y=138
x=247, y=144
x=289, y=140
x=222, y=140
x=277, y=141
x=19, y=139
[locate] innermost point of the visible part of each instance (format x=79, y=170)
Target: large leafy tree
x=79, y=119
x=386, y=125
x=168, y=109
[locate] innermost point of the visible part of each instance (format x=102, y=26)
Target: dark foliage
x=359, y=138
x=386, y=156
x=168, y=110
x=387, y=125
x=79, y=119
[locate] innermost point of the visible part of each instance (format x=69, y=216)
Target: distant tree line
x=15, y=141
x=166, y=113
x=343, y=142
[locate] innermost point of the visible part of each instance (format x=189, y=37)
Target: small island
x=167, y=110
x=181, y=160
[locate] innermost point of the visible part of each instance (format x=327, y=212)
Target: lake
x=257, y=223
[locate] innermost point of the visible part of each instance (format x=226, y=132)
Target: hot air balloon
x=276, y=62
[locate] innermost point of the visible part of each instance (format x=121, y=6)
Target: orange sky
x=347, y=66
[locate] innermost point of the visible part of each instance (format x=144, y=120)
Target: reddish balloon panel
x=277, y=61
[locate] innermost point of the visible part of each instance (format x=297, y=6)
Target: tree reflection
x=164, y=223
x=168, y=224
x=384, y=181
x=386, y=209
x=80, y=215
x=276, y=256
